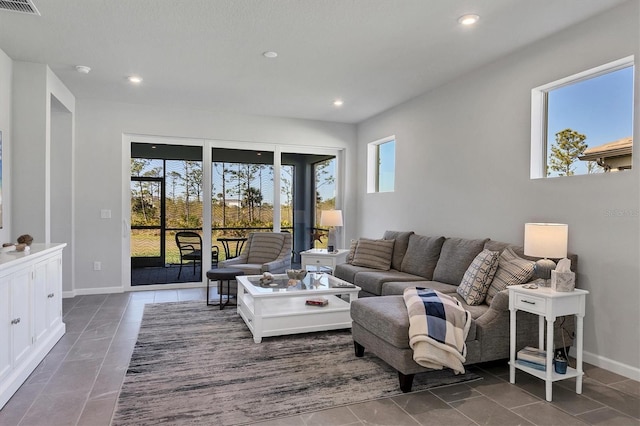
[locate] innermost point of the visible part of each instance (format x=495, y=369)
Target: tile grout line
x=103, y=359
x=44, y=385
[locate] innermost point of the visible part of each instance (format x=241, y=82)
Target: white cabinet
x=30, y=312
x=54, y=291
x=5, y=332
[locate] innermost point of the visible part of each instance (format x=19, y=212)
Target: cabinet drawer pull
x=15, y=321
x=50, y=295
x=526, y=301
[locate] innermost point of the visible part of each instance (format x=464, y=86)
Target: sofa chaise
x=384, y=268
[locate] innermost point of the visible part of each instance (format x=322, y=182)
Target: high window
x=583, y=124
x=381, y=165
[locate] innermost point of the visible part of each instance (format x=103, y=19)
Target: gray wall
x=463, y=170
x=100, y=183
x=6, y=72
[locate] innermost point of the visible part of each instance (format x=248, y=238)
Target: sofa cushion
x=374, y=254
x=373, y=281
x=387, y=318
x=422, y=255
x=399, y=248
x=397, y=288
x=511, y=270
x=347, y=271
x=455, y=257
x=478, y=276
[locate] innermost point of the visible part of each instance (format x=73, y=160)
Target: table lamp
x=545, y=240
x=331, y=219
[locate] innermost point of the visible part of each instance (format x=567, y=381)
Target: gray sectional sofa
x=381, y=323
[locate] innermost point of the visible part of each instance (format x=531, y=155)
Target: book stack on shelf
x=317, y=301
x=532, y=357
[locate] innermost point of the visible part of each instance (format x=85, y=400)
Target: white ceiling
x=207, y=54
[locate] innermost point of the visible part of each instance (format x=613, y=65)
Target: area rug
x=195, y=364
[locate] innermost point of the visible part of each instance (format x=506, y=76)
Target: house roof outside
x=611, y=155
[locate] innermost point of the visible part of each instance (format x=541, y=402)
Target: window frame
x=539, y=108
x=373, y=169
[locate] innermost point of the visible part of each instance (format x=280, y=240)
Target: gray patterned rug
x=195, y=364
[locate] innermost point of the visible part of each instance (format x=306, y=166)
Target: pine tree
x=565, y=151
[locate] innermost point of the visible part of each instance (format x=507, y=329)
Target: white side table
x=549, y=305
x=320, y=258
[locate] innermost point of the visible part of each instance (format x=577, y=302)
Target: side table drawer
x=317, y=261
x=533, y=304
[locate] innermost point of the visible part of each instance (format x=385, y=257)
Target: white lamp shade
x=331, y=218
x=548, y=240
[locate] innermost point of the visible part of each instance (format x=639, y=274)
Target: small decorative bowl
x=296, y=274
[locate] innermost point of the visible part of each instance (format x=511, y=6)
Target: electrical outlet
x=97, y=266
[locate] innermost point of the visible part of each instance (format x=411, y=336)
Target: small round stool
x=222, y=274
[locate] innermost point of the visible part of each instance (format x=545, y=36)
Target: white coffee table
x=276, y=309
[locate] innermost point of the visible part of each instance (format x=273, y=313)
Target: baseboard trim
x=609, y=364
x=91, y=291
x=112, y=290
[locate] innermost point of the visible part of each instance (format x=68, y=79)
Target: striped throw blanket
x=438, y=328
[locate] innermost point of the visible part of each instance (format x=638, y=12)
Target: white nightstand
x=322, y=259
x=548, y=305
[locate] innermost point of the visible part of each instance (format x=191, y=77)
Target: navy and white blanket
x=438, y=328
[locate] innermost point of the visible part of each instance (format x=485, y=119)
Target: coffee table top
x=313, y=283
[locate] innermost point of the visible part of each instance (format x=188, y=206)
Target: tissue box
x=563, y=281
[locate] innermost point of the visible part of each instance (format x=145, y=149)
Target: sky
x=600, y=108
x=387, y=157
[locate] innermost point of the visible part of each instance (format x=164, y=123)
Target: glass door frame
x=207, y=146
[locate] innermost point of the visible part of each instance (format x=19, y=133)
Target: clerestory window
x=381, y=165
x=583, y=124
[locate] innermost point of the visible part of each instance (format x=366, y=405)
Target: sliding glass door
x=262, y=188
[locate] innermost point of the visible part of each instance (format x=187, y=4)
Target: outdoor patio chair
x=190, y=245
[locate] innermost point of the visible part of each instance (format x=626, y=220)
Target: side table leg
x=512, y=346
x=579, y=325
x=549, y=348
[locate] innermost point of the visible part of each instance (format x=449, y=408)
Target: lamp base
x=543, y=267
x=331, y=240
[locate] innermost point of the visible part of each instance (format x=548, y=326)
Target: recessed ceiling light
x=83, y=69
x=338, y=102
x=134, y=79
x=468, y=19
x=270, y=54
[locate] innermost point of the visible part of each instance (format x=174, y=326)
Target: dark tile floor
x=78, y=383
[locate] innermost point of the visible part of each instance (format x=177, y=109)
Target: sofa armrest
x=500, y=301
x=240, y=260
x=277, y=266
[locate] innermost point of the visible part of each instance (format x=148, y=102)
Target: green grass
x=147, y=244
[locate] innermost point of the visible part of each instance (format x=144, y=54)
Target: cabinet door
x=54, y=291
x=19, y=289
x=5, y=328
x=39, y=289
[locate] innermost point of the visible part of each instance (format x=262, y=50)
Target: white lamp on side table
x=546, y=240
x=331, y=218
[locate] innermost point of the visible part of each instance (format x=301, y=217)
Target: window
x=583, y=124
x=381, y=165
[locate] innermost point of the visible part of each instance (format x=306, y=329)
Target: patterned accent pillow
x=374, y=254
x=477, y=279
x=352, y=251
x=512, y=270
